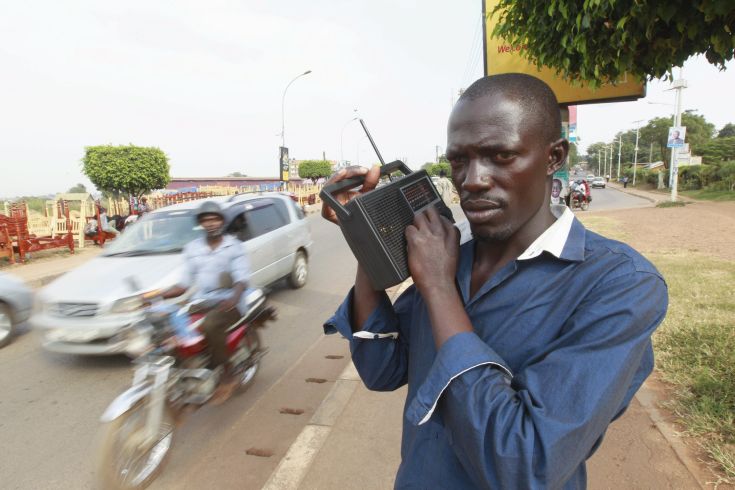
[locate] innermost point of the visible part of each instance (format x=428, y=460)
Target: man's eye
x=504, y=156
x=457, y=161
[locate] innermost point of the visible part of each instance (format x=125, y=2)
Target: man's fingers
x=372, y=177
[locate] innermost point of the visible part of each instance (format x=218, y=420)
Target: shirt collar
x=555, y=240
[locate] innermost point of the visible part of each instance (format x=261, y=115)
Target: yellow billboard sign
x=502, y=57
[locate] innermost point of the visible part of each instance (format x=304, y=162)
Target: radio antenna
x=380, y=157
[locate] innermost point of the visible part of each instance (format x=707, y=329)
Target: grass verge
x=709, y=195
x=695, y=345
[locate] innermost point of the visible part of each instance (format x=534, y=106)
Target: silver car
x=16, y=300
x=90, y=310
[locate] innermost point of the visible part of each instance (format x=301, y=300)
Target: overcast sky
x=204, y=80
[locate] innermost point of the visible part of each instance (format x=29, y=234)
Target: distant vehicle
x=16, y=301
x=590, y=177
x=90, y=310
x=598, y=182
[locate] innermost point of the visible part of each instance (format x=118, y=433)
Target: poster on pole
x=283, y=163
x=502, y=57
x=676, y=137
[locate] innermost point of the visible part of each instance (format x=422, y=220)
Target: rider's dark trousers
x=214, y=328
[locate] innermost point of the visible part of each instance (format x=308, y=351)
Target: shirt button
x=376, y=336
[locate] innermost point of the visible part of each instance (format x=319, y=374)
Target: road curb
x=295, y=465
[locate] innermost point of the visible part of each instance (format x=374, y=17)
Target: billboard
x=501, y=57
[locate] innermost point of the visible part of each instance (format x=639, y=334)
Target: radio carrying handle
x=328, y=191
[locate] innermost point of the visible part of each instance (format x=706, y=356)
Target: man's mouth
x=478, y=210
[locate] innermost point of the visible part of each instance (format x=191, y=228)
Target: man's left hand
x=433, y=251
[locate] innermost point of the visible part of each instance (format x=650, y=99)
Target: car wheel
x=299, y=271
x=6, y=324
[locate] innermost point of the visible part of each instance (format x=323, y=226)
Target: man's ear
x=558, y=152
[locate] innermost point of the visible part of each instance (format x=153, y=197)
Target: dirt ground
x=700, y=227
x=703, y=227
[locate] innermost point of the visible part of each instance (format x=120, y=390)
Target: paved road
x=609, y=198
x=50, y=404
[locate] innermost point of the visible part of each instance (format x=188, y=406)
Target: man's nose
x=478, y=177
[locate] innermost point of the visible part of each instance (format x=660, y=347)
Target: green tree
x=131, y=170
x=434, y=168
x=726, y=173
x=236, y=174
x=718, y=150
x=599, y=40
x=78, y=189
x=727, y=131
x=596, y=156
x=314, y=169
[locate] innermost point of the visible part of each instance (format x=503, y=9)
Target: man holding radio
x=522, y=345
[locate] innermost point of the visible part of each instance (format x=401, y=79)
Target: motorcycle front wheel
x=127, y=460
x=252, y=341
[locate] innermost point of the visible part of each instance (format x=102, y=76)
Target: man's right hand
x=372, y=176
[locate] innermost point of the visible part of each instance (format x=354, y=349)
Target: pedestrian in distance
x=522, y=345
x=625, y=182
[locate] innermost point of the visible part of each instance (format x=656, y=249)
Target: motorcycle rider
x=217, y=267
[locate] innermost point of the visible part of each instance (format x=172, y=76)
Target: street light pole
x=620, y=149
x=341, y=140
x=635, y=152
x=678, y=85
x=283, y=107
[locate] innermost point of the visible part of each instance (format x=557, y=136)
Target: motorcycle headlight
x=126, y=305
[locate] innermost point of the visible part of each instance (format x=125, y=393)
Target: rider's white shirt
x=204, y=267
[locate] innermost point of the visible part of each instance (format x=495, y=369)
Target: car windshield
x=155, y=233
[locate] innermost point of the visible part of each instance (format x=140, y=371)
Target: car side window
x=264, y=218
x=238, y=227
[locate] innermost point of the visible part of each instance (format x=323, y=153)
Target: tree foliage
x=727, y=131
x=314, y=169
x=77, y=189
x=718, y=150
x=434, y=168
x=601, y=40
x=236, y=174
x=132, y=170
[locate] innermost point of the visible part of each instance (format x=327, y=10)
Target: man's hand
x=433, y=252
x=372, y=176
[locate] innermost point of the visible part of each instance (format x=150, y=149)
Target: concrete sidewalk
x=654, y=196
x=42, y=272
x=353, y=442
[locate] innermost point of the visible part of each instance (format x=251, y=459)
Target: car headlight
x=126, y=305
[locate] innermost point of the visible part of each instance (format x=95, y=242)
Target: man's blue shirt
x=560, y=345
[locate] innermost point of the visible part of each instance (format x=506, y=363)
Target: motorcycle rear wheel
x=123, y=463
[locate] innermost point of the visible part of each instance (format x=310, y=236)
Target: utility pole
x=620, y=149
x=635, y=154
x=650, y=154
x=437, y=153
x=678, y=85
x=599, y=161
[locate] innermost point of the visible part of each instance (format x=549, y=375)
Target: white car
x=16, y=300
x=90, y=310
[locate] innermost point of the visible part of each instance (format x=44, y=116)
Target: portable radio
x=374, y=223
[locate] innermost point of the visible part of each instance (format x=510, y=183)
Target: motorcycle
x=580, y=201
x=172, y=379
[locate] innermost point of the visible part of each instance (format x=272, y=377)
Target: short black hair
x=534, y=96
x=442, y=173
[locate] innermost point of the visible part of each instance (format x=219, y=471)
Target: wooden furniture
x=15, y=236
